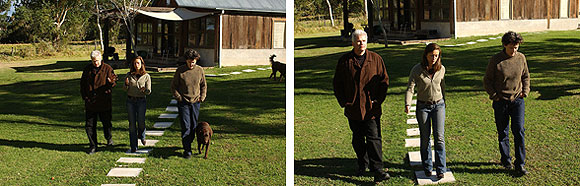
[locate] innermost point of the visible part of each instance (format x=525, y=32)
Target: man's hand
x=112, y=79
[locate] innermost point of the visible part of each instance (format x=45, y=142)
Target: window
x=202, y=32
x=145, y=34
x=278, y=34
x=436, y=10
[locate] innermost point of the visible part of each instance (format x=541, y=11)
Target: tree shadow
x=476, y=167
x=59, y=147
x=166, y=152
x=59, y=66
x=320, y=42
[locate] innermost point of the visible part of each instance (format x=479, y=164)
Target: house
x=462, y=18
x=225, y=32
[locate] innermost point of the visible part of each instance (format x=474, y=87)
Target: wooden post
x=370, y=20
x=549, y=12
x=106, y=51
x=345, y=17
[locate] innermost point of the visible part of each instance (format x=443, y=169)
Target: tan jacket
x=135, y=84
x=361, y=90
x=189, y=84
x=428, y=89
x=507, y=77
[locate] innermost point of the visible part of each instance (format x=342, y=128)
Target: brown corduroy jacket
x=361, y=90
x=95, y=89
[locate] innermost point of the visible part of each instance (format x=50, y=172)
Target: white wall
x=443, y=28
x=475, y=28
x=234, y=57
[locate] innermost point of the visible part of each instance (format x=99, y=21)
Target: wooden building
x=461, y=18
x=225, y=32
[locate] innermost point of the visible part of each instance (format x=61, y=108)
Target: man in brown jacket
x=189, y=89
x=507, y=81
x=360, y=87
x=97, y=82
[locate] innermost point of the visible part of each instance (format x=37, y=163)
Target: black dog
x=277, y=66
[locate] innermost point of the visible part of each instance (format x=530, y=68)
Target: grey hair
x=357, y=33
x=96, y=54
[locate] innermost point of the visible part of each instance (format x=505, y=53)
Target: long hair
x=427, y=65
x=139, y=71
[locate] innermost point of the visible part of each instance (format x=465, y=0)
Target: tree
x=127, y=11
x=330, y=12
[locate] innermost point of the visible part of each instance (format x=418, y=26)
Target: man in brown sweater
x=360, y=87
x=189, y=89
x=507, y=81
x=97, y=82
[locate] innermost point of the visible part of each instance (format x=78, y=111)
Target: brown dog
x=277, y=66
x=204, y=134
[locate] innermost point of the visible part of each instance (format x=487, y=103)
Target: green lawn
x=323, y=152
x=42, y=132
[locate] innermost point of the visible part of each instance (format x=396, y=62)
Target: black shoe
x=187, y=155
x=92, y=150
x=440, y=176
x=428, y=173
x=143, y=141
x=508, y=166
x=360, y=172
x=110, y=142
x=522, y=171
x=381, y=176
x=133, y=150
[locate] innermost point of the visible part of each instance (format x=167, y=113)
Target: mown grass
x=43, y=50
x=308, y=27
x=323, y=151
x=42, y=133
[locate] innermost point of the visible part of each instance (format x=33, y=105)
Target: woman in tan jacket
x=138, y=86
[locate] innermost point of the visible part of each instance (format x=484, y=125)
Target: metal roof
x=277, y=6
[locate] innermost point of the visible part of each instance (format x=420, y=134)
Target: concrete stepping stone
x=415, y=142
x=211, y=75
x=499, y=37
x=149, y=143
x=460, y=44
x=248, y=70
x=124, y=172
x=117, y=184
x=162, y=125
x=411, y=114
x=154, y=132
x=269, y=68
x=413, y=108
x=413, y=102
x=481, y=40
x=424, y=180
x=413, y=132
x=168, y=116
x=223, y=74
x=138, y=152
x=449, y=45
x=235, y=73
x=131, y=160
x=171, y=109
x=173, y=102
x=415, y=158
x=412, y=121
x=492, y=38
x=261, y=69
x=470, y=43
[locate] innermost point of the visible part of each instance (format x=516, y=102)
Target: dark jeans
x=367, y=144
x=136, y=109
x=503, y=111
x=432, y=116
x=189, y=114
x=91, y=125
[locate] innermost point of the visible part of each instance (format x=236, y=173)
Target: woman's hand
x=407, y=109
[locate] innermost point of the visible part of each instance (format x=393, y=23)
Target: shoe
x=440, y=176
x=110, y=142
x=187, y=155
x=522, y=171
x=428, y=173
x=360, y=172
x=143, y=141
x=92, y=150
x=381, y=176
x=133, y=150
x=508, y=166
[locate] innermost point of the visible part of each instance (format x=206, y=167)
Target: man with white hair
x=97, y=82
x=360, y=86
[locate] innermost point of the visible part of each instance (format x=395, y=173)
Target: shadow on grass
x=60, y=147
x=59, y=66
x=339, y=169
x=167, y=152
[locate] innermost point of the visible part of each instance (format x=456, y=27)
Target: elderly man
x=360, y=86
x=507, y=81
x=97, y=82
x=189, y=89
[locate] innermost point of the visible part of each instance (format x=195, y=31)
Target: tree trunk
x=99, y=25
x=330, y=11
x=376, y=6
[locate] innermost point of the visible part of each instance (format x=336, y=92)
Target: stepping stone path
x=134, y=172
x=415, y=156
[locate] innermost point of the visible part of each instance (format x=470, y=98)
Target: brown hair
x=511, y=37
x=428, y=65
x=140, y=71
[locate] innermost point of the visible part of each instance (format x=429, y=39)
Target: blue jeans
x=427, y=116
x=189, y=114
x=136, y=109
x=503, y=111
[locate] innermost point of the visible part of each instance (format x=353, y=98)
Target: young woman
x=138, y=86
x=428, y=76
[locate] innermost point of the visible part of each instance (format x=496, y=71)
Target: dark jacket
x=507, y=77
x=355, y=86
x=95, y=89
